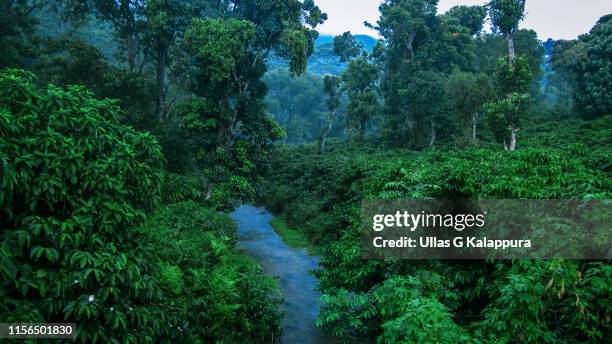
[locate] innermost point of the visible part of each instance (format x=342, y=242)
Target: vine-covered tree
x=513, y=77
x=164, y=20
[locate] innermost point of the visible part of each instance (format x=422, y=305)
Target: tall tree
x=421, y=46
x=505, y=17
x=220, y=49
x=359, y=81
x=467, y=94
x=471, y=17
x=346, y=47
x=331, y=87
x=228, y=59
x=404, y=24
x=128, y=20
x=513, y=77
x=506, y=113
x=164, y=19
x=594, y=91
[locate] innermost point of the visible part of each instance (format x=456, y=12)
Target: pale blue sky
x=558, y=19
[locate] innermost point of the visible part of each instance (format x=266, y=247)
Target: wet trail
x=290, y=266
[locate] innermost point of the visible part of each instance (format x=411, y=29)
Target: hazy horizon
x=563, y=19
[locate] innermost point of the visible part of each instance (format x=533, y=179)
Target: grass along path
x=292, y=237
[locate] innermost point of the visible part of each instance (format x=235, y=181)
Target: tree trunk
x=209, y=191
x=161, y=83
x=513, y=131
x=362, y=130
x=321, y=144
x=433, y=135
x=511, y=53
x=131, y=52
x=289, y=130
x=411, y=45
x=221, y=142
x=474, y=119
x=324, y=135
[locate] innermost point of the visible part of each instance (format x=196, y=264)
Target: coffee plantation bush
x=369, y=301
x=218, y=294
x=75, y=243
x=75, y=185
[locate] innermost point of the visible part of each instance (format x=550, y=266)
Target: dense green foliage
x=297, y=104
x=218, y=294
x=151, y=56
x=440, y=75
x=128, y=128
x=494, y=301
x=75, y=186
x=359, y=82
x=594, y=85
x=581, y=72
x=292, y=237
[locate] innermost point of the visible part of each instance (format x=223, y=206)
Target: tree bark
x=362, y=130
x=161, y=83
x=513, y=131
x=474, y=119
x=433, y=135
x=325, y=133
x=411, y=45
x=511, y=52
x=221, y=142
x=131, y=52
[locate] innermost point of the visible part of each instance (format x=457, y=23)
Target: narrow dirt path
x=291, y=266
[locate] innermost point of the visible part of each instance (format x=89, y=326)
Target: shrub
x=370, y=301
x=218, y=294
x=75, y=189
x=75, y=186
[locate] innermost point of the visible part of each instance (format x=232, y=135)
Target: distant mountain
x=549, y=46
x=368, y=41
x=323, y=61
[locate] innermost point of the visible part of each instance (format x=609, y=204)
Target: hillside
x=324, y=61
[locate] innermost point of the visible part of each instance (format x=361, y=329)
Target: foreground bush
x=218, y=294
x=75, y=185
x=74, y=193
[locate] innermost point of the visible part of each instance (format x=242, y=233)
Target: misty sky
x=557, y=19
